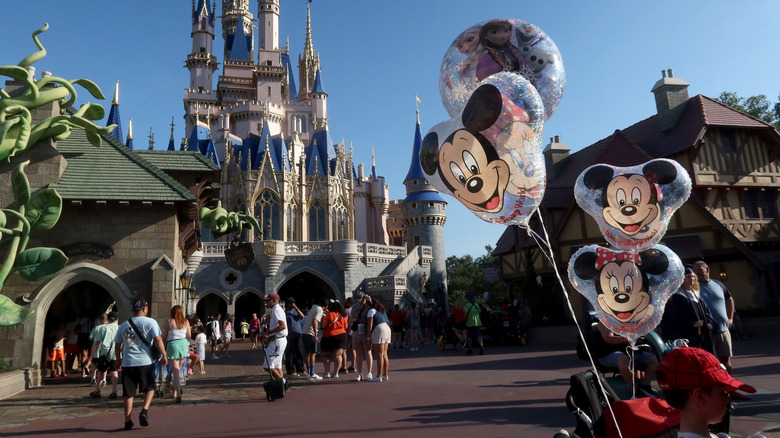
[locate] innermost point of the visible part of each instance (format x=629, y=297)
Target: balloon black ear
x=429, y=153
x=483, y=108
x=598, y=177
x=654, y=262
x=660, y=172
x=585, y=266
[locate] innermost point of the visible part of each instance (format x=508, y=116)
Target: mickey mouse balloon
x=633, y=205
x=501, y=45
x=490, y=158
x=628, y=290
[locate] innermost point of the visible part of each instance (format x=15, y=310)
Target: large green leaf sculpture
x=39, y=211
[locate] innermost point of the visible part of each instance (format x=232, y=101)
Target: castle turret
x=201, y=63
x=113, y=115
x=424, y=213
x=319, y=103
x=268, y=24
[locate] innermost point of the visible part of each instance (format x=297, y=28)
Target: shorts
x=349, y=343
x=473, y=332
x=641, y=358
x=380, y=334
x=360, y=343
x=109, y=366
x=274, y=353
x=140, y=379
x=722, y=343
x=57, y=354
x=333, y=343
x=215, y=341
x=309, y=344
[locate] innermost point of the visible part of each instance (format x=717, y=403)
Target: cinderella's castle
x=324, y=219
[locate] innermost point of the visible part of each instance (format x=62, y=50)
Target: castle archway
x=247, y=303
x=211, y=304
x=307, y=288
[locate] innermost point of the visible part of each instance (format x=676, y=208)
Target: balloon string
x=631, y=366
x=551, y=258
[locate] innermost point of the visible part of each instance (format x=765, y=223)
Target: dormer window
x=729, y=137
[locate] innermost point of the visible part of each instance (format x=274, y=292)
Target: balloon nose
x=628, y=210
x=622, y=298
x=474, y=185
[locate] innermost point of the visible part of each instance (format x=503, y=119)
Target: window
x=416, y=240
x=317, y=221
x=340, y=220
x=268, y=215
x=202, y=50
x=292, y=221
x=269, y=91
x=729, y=140
x=759, y=204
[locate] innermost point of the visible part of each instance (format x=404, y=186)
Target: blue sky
x=377, y=54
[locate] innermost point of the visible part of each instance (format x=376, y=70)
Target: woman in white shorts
x=380, y=333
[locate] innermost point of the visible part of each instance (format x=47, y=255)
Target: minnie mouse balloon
x=508, y=45
x=490, y=158
x=633, y=205
x=628, y=290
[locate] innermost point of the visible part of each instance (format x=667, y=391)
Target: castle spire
x=151, y=139
x=308, y=51
x=113, y=115
x=129, y=141
x=171, y=145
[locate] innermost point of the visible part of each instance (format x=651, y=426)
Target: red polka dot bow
x=604, y=256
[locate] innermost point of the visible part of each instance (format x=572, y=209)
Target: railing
x=217, y=249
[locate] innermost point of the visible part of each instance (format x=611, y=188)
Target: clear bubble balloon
x=633, y=205
x=490, y=157
x=628, y=290
x=501, y=45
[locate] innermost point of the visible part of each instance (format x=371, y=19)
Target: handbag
x=156, y=354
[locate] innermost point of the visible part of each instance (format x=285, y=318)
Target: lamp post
x=185, y=281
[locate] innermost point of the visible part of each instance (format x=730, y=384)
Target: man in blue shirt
x=721, y=304
x=134, y=359
x=293, y=358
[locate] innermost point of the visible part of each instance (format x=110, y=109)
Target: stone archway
x=307, y=288
x=45, y=296
x=210, y=304
x=249, y=301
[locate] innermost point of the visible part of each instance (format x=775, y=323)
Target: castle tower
x=424, y=215
x=233, y=13
x=201, y=63
x=113, y=115
x=269, y=70
x=308, y=63
x=319, y=104
x=268, y=24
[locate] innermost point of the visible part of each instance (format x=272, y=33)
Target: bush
x=3, y=366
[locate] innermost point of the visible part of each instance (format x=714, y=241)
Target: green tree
x=758, y=106
x=468, y=275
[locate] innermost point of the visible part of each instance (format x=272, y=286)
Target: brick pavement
x=511, y=391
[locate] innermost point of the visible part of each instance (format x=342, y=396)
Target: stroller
x=448, y=336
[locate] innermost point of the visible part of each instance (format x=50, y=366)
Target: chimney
x=670, y=96
x=555, y=154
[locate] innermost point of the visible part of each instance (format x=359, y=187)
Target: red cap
x=273, y=296
x=690, y=367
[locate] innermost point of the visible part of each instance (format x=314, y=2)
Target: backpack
x=585, y=398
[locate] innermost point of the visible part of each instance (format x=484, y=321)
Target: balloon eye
x=613, y=285
x=533, y=58
x=457, y=173
x=629, y=282
x=621, y=197
x=541, y=62
x=636, y=196
x=470, y=162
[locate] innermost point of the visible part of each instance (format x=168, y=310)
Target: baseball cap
x=139, y=304
x=273, y=296
x=112, y=316
x=691, y=367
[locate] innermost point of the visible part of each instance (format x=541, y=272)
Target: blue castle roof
x=255, y=147
x=240, y=45
x=199, y=7
x=317, y=88
x=321, y=146
x=290, y=77
x=114, y=119
x=415, y=170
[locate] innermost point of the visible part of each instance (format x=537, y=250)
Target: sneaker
x=129, y=425
x=343, y=370
x=92, y=381
x=387, y=377
x=314, y=377
x=368, y=377
x=351, y=369
x=214, y=357
x=64, y=374
x=359, y=378
x=143, y=419
x=104, y=382
x=375, y=379
x=326, y=375
x=54, y=375
x=335, y=375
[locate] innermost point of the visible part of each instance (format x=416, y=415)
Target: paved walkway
x=511, y=391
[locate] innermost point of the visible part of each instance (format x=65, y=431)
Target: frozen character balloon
x=628, y=290
x=633, y=205
x=501, y=45
x=490, y=158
